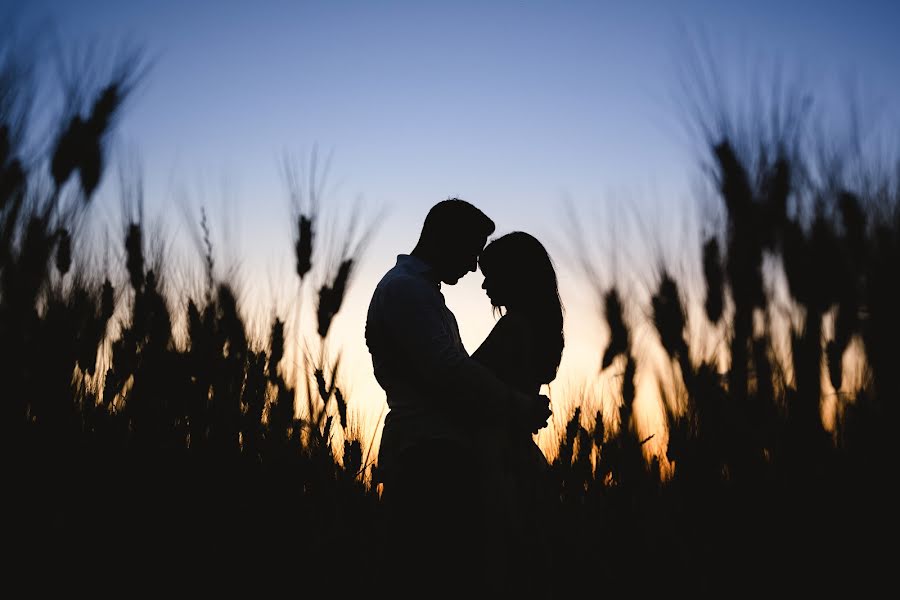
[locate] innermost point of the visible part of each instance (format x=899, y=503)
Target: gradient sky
x=514, y=106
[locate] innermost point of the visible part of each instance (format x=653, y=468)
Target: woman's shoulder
x=511, y=338
x=516, y=326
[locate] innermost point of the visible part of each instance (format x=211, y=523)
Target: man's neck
x=423, y=255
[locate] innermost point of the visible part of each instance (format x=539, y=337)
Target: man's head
x=453, y=235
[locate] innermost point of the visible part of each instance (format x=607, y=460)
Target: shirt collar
x=418, y=266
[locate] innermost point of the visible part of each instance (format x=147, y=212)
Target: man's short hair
x=456, y=219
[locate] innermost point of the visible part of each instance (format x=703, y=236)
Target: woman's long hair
x=527, y=271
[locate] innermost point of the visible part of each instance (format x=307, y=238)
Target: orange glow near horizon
x=579, y=383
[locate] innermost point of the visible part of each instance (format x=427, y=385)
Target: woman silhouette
x=524, y=350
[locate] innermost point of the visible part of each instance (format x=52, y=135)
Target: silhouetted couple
x=462, y=473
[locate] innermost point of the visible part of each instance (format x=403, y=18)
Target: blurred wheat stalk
x=92, y=365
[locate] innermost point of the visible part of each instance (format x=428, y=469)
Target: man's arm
x=414, y=319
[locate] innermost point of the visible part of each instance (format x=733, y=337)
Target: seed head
x=105, y=106
x=352, y=456
x=69, y=149
x=669, y=316
x=628, y=389
x=599, y=431
x=63, y=251
x=324, y=392
x=712, y=272
x=332, y=296
x=341, y=406
x=106, y=301
x=276, y=347
x=735, y=186
x=135, y=252
x=618, y=340
x=304, y=245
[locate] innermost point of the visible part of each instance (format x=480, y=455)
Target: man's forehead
x=480, y=241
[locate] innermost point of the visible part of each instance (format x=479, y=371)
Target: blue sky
x=514, y=106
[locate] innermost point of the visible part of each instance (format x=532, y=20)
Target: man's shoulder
x=398, y=279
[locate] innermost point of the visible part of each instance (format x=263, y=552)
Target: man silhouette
x=437, y=395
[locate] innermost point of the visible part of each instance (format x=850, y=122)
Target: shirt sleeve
x=413, y=317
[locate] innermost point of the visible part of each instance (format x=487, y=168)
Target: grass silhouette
x=197, y=457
